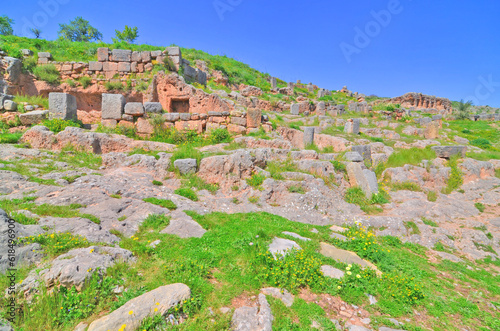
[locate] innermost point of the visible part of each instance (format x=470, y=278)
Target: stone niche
x=180, y=105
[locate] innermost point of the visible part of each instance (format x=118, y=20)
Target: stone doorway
x=179, y=106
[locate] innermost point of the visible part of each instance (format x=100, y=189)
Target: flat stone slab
x=448, y=256
x=338, y=229
x=329, y=271
x=293, y=234
x=183, y=226
x=253, y=318
x=281, y=246
x=155, y=302
x=283, y=295
x=346, y=257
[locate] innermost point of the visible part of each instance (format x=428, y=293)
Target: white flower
x=251, y=244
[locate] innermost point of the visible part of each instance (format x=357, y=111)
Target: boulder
x=112, y=106
x=254, y=118
x=365, y=179
x=364, y=150
x=281, y=246
x=33, y=117
x=186, y=166
x=295, y=109
x=431, y=130
x=131, y=314
x=353, y=157
x=449, y=151
x=9, y=105
x=352, y=126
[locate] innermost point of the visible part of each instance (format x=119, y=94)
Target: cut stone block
x=112, y=106
x=153, y=107
x=62, y=106
x=134, y=109
x=121, y=55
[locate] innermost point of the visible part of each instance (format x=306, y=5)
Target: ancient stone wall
x=422, y=101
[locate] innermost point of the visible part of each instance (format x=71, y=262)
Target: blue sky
x=444, y=48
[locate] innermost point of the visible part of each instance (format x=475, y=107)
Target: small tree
x=36, y=32
x=79, y=30
x=463, y=109
x=128, y=35
x=6, y=26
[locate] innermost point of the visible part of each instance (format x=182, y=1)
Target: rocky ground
x=199, y=242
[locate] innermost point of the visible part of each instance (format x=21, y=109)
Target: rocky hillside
x=150, y=188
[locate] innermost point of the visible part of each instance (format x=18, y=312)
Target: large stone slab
x=62, y=106
x=295, y=109
x=308, y=136
x=112, y=106
x=346, y=257
x=134, y=109
x=186, y=166
x=121, y=55
x=253, y=319
x=329, y=271
x=33, y=117
x=183, y=226
x=131, y=314
x=365, y=179
x=449, y=151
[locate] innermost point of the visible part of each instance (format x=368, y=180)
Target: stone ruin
x=422, y=101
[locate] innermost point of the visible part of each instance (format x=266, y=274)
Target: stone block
x=103, y=54
x=431, y=130
x=145, y=56
x=153, y=107
x=238, y=129
x=185, y=116
x=134, y=109
x=9, y=105
x=254, y=118
x=44, y=55
x=295, y=109
x=62, y=106
x=33, y=117
x=321, y=108
x=364, y=150
x=112, y=106
x=155, y=54
x=136, y=57
x=274, y=83
x=353, y=157
x=121, y=55
x=110, y=66
x=171, y=117
x=308, y=136
x=173, y=51
x=124, y=67
x=144, y=127
x=239, y=121
x=352, y=126
x=364, y=179
x=95, y=66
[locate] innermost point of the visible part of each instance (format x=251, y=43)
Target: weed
x=296, y=189
x=412, y=228
x=57, y=125
x=253, y=199
x=157, y=183
x=429, y=222
x=256, y=180
x=187, y=193
x=407, y=186
x=47, y=73
x=432, y=196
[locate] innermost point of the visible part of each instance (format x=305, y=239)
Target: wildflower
x=348, y=268
x=358, y=276
x=339, y=287
x=130, y=312
x=349, y=273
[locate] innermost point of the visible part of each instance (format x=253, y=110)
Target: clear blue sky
x=441, y=48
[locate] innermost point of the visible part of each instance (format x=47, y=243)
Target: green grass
x=356, y=196
x=297, y=189
x=48, y=73
x=33, y=100
x=480, y=206
x=456, y=178
x=157, y=183
x=9, y=138
x=187, y=151
x=162, y=203
x=256, y=180
x=187, y=193
x=193, y=181
x=412, y=228
x=413, y=156
x=429, y=222
x=406, y=186
x=432, y=196
x=230, y=260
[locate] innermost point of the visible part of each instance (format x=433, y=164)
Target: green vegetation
x=193, y=181
x=162, y=203
x=6, y=26
x=297, y=189
x=85, y=81
x=256, y=180
x=57, y=125
x=79, y=30
x=48, y=73
x=463, y=110
x=128, y=35
x=413, y=156
x=187, y=192
x=429, y=222
x=412, y=228
x=408, y=186
x=157, y=183
x=456, y=178
x=356, y=196
x=432, y=196
x=33, y=100
x=480, y=206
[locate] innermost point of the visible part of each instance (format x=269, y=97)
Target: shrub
x=480, y=206
x=481, y=143
x=218, y=136
x=114, y=86
x=432, y=196
x=162, y=202
x=456, y=179
x=187, y=151
x=256, y=180
x=70, y=82
x=57, y=125
x=187, y=193
x=390, y=108
x=295, y=270
x=85, y=81
x=47, y=73
x=157, y=183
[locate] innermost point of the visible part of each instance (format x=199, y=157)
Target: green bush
x=187, y=193
x=157, y=183
x=339, y=166
x=47, y=73
x=480, y=206
x=57, y=125
x=256, y=180
x=456, y=179
x=85, y=81
x=218, y=136
x=187, y=151
x=114, y=86
x=481, y=143
x=432, y=196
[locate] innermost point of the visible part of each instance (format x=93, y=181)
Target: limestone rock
x=253, y=318
x=183, y=226
x=286, y=297
x=332, y=272
x=62, y=106
x=134, y=311
x=281, y=246
x=33, y=117
x=186, y=166
x=344, y=256
x=448, y=151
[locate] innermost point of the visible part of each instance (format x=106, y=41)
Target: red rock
x=144, y=127
x=109, y=123
x=126, y=124
x=232, y=128
x=254, y=118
